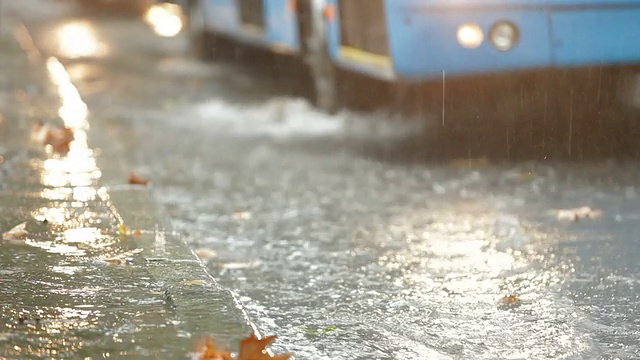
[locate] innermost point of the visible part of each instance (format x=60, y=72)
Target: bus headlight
x=504, y=35
x=470, y=35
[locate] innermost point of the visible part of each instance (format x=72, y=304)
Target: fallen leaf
x=242, y=215
x=59, y=138
x=511, y=299
x=210, y=352
x=510, y=302
x=252, y=348
x=136, y=180
x=122, y=229
x=18, y=232
x=584, y=212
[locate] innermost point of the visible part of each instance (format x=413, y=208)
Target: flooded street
x=339, y=233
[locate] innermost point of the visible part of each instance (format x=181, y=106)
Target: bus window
x=252, y=13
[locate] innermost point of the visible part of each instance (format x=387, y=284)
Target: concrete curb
x=197, y=306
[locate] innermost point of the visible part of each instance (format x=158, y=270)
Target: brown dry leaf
x=511, y=299
x=584, y=212
x=210, y=352
x=509, y=302
x=18, y=232
x=136, y=180
x=59, y=138
x=252, y=348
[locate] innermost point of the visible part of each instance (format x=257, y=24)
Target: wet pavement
x=336, y=233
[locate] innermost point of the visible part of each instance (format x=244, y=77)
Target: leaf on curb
x=137, y=180
x=18, y=232
x=122, y=257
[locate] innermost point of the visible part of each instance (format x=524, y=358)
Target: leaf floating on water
x=511, y=299
x=252, y=348
x=18, y=232
x=210, y=352
x=137, y=180
x=584, y=212
x=510, y=302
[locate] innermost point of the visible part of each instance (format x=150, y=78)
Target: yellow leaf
x=122, y=229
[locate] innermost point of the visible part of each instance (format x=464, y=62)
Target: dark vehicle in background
x=423, y=41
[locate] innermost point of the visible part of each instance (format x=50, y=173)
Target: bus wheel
x=201, y=42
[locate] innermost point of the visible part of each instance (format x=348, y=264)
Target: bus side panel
x=282, y=24
x=424, y=43
x=333, y=31
x=281, y=27
x=596, y=36
x=221, y=15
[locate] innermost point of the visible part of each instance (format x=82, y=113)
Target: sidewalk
x=98, y=274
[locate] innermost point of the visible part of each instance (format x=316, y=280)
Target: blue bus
x=422, y=40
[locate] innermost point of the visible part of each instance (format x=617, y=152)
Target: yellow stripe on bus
x=365, y=57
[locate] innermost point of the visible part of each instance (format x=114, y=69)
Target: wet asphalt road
x=339, y=236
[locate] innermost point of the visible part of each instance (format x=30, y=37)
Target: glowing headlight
x=504, y=35
x=470, y=35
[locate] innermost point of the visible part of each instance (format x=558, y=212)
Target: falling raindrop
x=443, y=96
